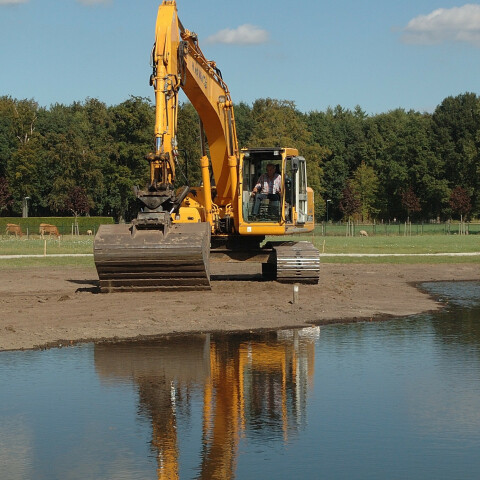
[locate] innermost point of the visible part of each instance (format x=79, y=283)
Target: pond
x=395, y=399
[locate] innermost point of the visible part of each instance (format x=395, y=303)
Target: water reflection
x=248, y=385
x=396, y=399
x=16, y=448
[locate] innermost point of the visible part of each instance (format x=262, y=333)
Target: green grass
x=380, y=244
x=35, y=245
x=384, y=245
x=422, y=244
x=390, y=244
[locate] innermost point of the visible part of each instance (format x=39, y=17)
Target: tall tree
x=132, y=127
x=365, y=184
x=350, y=203
x=334, y=181
x=410, y=201
x=75, y=142
x=340, y=133
x=8, y=140
x=23, y=174
x=5, y=197
x=245, y=123
x=390, y=158
x=25, y=117
x=456, y=127
x=460, y=202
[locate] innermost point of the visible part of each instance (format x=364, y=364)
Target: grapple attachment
x=135, y=257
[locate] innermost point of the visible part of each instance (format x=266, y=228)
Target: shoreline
x=45, y=308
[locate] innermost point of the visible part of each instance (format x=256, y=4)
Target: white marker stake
x=295, y=293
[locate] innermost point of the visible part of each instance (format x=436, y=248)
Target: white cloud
x=12, y=2
x=242, y=35
x=94, y=2
x=458, y=24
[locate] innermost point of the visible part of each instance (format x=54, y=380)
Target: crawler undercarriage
x=130, y=258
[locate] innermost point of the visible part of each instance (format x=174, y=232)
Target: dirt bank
x=41, y=307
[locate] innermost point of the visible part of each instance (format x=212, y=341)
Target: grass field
x=330, y=245
x=425, y=244
x=395, y=245
x=36, y=245
x=67, y=245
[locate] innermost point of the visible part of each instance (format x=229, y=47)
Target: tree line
x=85, y=157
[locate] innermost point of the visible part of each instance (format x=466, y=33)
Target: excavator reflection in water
x=252, y=387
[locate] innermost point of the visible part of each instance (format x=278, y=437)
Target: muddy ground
x=45, y=307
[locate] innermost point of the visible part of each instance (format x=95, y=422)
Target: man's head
x=270, y=169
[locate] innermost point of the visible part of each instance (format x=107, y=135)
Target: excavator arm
x=178, y=63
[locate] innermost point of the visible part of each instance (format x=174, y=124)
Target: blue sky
x=379, y=54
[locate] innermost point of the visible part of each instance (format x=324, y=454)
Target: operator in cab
x=268, y=186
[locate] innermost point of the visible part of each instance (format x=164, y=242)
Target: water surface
x=397, y=399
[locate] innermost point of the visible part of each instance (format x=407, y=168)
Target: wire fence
x=352, y=229
x=89, y=226
x=62, y=228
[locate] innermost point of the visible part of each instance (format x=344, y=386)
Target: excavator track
x=129, y=258
x=297, y=262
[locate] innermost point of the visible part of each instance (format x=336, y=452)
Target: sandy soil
x=40, y=307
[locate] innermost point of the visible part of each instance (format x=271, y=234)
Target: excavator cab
x=264, y=206
x=290, y=205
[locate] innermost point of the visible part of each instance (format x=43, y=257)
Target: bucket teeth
x=131, y=259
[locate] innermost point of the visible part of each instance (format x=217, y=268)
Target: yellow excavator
x=170, y=243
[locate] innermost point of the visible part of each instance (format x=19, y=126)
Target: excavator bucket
x=129, y=258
